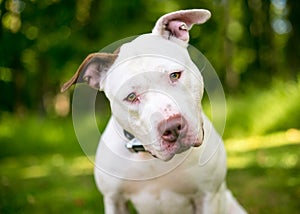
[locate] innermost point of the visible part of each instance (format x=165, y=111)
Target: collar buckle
x=133, y=144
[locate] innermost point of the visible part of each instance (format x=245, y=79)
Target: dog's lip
x=170, y=145
x=167, y=150
x=162, y=157
x=153, y=155
x=165, y=157
x=197, y=143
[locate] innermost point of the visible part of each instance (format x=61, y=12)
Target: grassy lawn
x=264, y=172
x=43, y=169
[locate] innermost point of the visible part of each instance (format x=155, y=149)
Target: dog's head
x=154, y=88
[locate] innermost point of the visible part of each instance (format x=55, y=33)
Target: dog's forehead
x=149, y=44
x=146, y=56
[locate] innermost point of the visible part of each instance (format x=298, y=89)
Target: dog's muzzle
x=172, y=129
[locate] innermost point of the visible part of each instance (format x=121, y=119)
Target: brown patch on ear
x=90, y=70
x=117, y=51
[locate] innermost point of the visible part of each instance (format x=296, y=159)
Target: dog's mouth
x=163, y=149
x=167, y=150
x=173, y=135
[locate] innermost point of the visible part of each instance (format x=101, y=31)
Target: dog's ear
x=92, y=70
x=177, y=24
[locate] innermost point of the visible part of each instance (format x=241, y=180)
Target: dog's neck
x=133, y=144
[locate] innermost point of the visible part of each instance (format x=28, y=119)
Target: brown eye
x=132, y=97
x=175, y=76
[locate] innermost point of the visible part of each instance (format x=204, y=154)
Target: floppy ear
x=177, y=24
x=92, y=70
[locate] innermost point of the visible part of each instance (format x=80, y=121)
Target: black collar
x=133, y=144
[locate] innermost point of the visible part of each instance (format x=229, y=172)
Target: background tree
x=292, y=49
x=42, y=42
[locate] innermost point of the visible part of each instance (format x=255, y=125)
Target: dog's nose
x=173, y=128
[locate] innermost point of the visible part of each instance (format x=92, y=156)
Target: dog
x=150, y=151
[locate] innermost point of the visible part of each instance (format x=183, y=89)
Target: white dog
x=150, y=151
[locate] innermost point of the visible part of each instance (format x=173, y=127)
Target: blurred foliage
x=264, y=111
x=42, y=42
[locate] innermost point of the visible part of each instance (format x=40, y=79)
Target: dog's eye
x=132, y=97
x=175, y=76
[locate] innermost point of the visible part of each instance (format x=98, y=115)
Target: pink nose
x=173, y=128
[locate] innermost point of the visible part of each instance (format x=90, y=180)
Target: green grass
x=44, y=188
x=43, y=169
x=264, y=172
x=45, y=176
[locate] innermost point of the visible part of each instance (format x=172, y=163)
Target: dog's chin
x=168, y=154
x=198, y=143
x=166, y=151
x=164, y=157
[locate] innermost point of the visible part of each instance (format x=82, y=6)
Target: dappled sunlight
x=45, y=166
x=48, y=184
x=258, y=112
x=62, y=105
x=291, y=136
x=264, y=151
x=37, y=171
x=80, y=166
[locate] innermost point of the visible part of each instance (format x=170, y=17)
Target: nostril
x=173, y=133
x=170, y=135
x=179, y=127
x=173, y=128
x=167, y=133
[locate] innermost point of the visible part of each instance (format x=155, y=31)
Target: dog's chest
x=165, y=202
x=173, y=193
